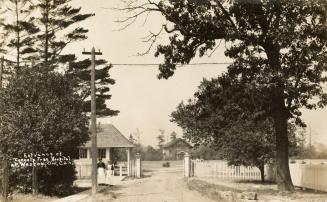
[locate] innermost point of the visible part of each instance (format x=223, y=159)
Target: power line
x=156, y=64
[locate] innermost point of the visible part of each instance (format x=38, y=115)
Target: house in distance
x=176, y=149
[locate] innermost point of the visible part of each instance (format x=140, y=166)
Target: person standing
x=101, y=172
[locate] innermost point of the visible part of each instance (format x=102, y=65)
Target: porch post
x=128, y=161
x=88, y=153
x=108, y=154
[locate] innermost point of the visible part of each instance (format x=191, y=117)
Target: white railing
x=312, y=176
x=84, y=169
x=222, y=170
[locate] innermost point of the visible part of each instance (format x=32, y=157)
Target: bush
x=166, y=164
x=292, y=161
x=52, y=181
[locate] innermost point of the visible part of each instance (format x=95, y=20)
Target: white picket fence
x=312, y=176
x=221, y=169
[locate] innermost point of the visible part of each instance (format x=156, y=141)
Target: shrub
x=52, y=181
x=166, y=164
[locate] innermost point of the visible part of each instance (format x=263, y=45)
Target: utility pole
x=94, y=151
x=310, y=146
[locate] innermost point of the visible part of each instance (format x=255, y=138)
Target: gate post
x=187, y=165
x=128, y=162
x=138, y=165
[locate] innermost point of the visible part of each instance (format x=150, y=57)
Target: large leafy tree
x=231, y=118
x=279, y=45
x=41, y=113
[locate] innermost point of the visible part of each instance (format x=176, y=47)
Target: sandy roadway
x=160, y=185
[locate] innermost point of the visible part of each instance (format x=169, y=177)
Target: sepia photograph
x=163, y=100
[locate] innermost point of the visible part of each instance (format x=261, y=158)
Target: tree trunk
x=18, y=38
x=46, y=33
x=280, y=117
x=35, y=185
x=5, y=180
x=262, y=172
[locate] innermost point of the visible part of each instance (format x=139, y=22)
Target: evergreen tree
x=20, y=29
x=2, y=35
x=57, y=23
x=161, y=138
x=79, y=73
x=131, y=138
x=173, y=135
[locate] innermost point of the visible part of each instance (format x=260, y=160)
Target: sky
x=144, y=101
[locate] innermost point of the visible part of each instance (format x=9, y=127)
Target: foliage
x=20, y=29
x=316, y=151
x=152, y=154
x=58, y=28
x=222, y=116
x=37, y=112
x=205, y=152
x=40, y=40
x=131, y=138
x=166, y=164
x=41, y=113
x=79, y=73
x=135, y=136
x=57, y=181
x=161, y=138
x=279, y=46
x=173, y=136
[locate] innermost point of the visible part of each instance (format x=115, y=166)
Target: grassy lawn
x=30, y=198
x=21, y=197
x=217, y=189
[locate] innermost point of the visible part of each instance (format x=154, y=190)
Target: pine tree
x=173, y=135
x=2, y=35
x=56, y=17
x=20, y=29
x=161, y=138
x=79, y=73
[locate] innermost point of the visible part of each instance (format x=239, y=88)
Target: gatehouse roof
x=109, y=136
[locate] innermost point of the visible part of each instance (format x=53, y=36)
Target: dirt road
x=162, y=186
x=158, y=185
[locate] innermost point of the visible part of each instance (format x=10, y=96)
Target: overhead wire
x=179, y=64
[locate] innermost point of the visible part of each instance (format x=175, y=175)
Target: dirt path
x=163, y=186
x=159, y=185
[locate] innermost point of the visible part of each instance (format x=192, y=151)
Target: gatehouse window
x=102, y=153
x=82, y=153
